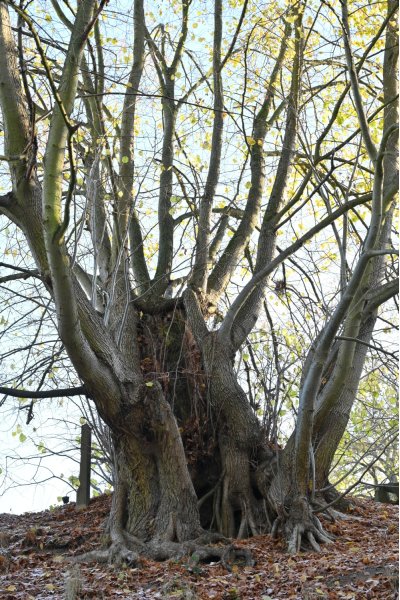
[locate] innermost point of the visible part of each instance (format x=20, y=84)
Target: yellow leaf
x=11, y=588
x=250, y=140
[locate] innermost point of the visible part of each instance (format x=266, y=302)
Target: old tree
x=171, y=168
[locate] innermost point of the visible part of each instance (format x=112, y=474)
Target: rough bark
x=160, y=499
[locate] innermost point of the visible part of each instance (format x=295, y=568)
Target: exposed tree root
x=300, y=527
x=332, y=514
x=238, y=509
x=115, y=554
x=130, y=551
x=170, y=542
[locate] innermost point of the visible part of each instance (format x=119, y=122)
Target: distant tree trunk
x=83, y=492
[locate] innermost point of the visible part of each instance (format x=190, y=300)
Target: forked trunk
x=221, y=434
x=155, y=509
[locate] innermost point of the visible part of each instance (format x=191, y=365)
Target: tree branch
x=358, y=341
x=199, y=277
x=12, y=98
x=6, y=200
x=382, y=294
x=245, y=319
x=362, y=119
x=74, y=391
x=220, y=275
x=127, y=158
x=259, y=277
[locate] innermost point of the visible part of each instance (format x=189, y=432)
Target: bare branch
x=63, y=392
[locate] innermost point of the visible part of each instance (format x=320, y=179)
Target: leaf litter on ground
x=36, y=551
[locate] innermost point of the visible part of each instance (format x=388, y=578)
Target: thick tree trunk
x=156, y=498
x=220, y=432
x=227, y=458
x=155, y=510
x=327, y=434
x=238, y=511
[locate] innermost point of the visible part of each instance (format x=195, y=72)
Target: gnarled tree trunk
x=190, y=452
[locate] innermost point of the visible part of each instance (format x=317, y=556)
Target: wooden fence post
x=83, y=493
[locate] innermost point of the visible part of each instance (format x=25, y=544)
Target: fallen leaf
x=58, y=558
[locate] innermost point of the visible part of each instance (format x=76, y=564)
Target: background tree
x=159, y=189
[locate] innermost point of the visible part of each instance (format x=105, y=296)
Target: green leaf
x=41, y=447
x=74, y=481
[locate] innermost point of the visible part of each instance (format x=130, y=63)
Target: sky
x=32, y=480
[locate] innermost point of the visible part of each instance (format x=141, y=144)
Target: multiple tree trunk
x=190, y=452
